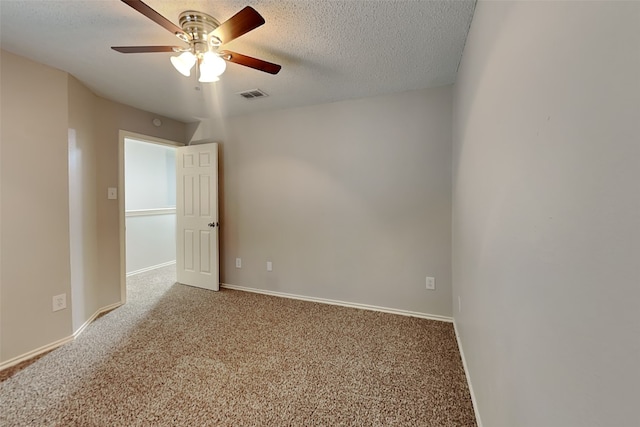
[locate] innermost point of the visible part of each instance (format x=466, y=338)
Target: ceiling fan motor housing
x=199, y=27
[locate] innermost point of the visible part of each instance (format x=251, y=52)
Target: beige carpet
x=181, y=356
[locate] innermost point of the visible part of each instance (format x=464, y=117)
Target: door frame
x=121, y=198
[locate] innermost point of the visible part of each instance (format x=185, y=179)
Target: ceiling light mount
x=198, y=25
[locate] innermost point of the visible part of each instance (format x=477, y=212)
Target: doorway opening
x=147, y=205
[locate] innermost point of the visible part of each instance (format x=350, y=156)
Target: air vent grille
x=253, y=94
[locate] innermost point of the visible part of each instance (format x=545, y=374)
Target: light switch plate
x=112, y=193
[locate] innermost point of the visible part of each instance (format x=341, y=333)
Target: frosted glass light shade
x=211, y=67
x=184, y=63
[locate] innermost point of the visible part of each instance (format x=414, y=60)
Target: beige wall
x=35, y=206
x=546, y=230
x=42, y=255
x=82, y=202
x=112, y=117
x=351, y=201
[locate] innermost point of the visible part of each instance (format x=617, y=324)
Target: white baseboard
x=95, y=315
x=38, y=351
x=33, y=353
x=341, y=303
x=153, y=267
x=466, y=373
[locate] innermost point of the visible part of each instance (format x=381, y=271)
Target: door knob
x=213, y=224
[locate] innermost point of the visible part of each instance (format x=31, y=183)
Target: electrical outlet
x=238, y=262
x=59, y=302
x=431, y=283
x=459, y=304
x=269, y=266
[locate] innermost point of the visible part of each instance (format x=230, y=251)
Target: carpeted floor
x=181, y=356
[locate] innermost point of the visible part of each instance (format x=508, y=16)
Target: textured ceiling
x=329, y=50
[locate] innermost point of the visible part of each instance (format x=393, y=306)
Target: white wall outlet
x=269, y=266
x=59, y=302
x=238, y=262
x=459, y=304
x=431, y=283
x=112, y=193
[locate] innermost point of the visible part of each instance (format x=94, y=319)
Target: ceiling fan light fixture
x=184, y=63
x=204, y=34
x=211, y=68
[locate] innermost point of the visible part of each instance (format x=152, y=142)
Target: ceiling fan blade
x=155, y=17
x=144, y=49
x=240, y=23
x=247, y=61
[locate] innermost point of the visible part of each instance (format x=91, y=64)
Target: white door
x=197, y=216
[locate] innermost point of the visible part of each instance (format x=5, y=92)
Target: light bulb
x=211, y=67
x=184, y=63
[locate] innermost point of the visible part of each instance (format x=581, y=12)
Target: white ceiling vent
x=252, y=94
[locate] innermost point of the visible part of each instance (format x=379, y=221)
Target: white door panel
x=197, y=216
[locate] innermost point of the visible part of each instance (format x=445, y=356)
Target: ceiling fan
x=205, y=35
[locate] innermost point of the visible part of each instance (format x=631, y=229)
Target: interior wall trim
x=341, y=303
x=81, y=329
x=153, y=267
x=149, y=212
x=33, y=353
x=52, y=346
x=466, y=373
